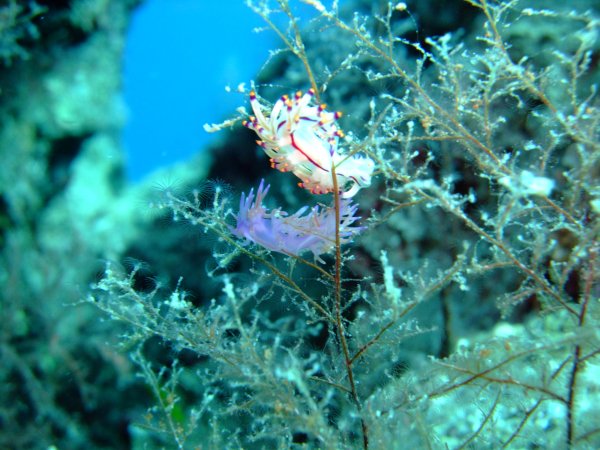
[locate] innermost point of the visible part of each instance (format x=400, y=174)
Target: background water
x=180, y=55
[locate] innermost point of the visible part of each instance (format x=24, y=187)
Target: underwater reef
x=393, y=244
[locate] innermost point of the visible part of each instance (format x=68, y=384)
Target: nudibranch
x=311, y=229
x=302, y=138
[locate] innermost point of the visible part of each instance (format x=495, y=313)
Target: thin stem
x=296, y=46
x=299, y=50
x=338, y=308
x=577, y=362
x=293, y=285
x=166, y=404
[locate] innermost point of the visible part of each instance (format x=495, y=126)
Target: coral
x=61, y=198
x=16, y=26
x=465, y=314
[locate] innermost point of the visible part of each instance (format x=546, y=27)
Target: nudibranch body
x=302, y=138
x=311, y=229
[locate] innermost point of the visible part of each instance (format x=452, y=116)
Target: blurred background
x=180, y=56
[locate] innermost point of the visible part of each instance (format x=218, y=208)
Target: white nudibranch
x=302, y=138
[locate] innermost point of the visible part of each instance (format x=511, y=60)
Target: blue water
x=180, y=55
